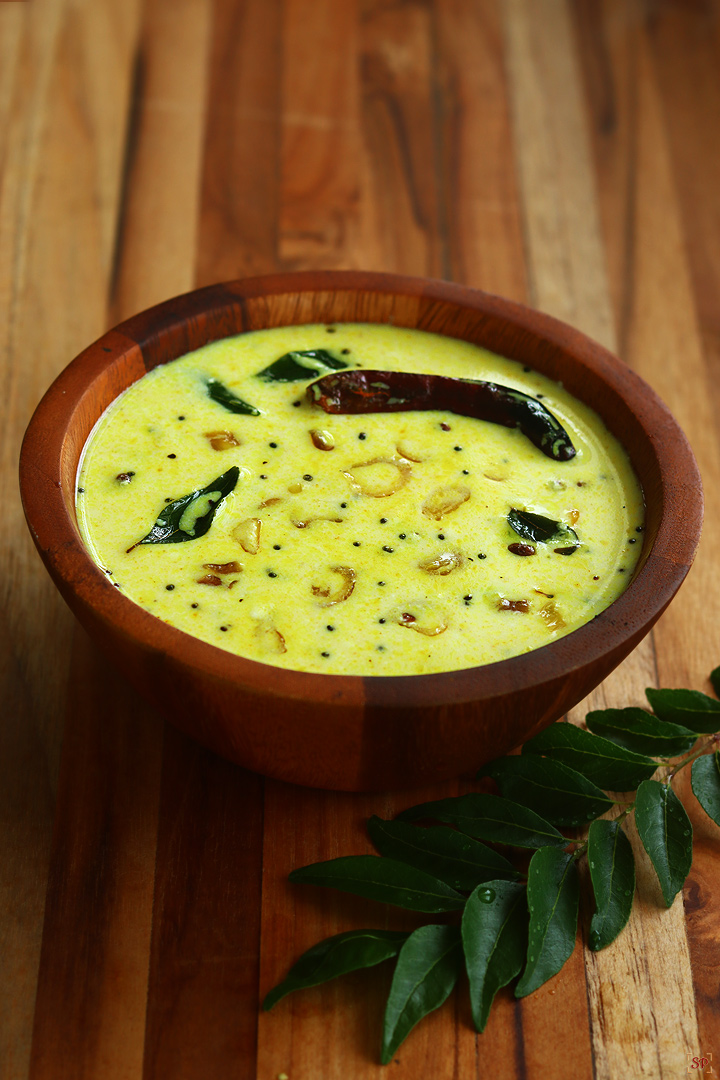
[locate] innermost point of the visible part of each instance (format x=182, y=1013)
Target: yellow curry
x=221, y=496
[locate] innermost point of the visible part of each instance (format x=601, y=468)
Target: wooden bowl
x=351, y=732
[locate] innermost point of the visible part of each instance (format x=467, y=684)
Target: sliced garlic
x=322, y=440
x=247, y=534
x=329, y=598
x=302, y=523
x=423, y=616
x=411, y=451
x=411, y=622
x=445, y=500
x=224, y=568
x=551, y=616
x=443, y=564
x=504, y=604
x=222, y=440
x=379, y=477
x=209, y=579
x=269, y=637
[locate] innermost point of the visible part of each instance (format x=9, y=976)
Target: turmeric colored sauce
x=374, y=544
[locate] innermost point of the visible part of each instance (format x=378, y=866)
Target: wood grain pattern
x=160, y=199
x=563, y=152
x=400, y=109
x=60, y=159
x=646, y=244
x=206, y=915
x=92, y=983
x=239, y=196
x=478, y=168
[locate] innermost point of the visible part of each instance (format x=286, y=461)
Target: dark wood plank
x=241, y=159
x=684, y=43
x=92, y=984
x=325, y=217
x=157, y=226
x=203, y=980
x=475, y=149
x=684, y=47
x=336, y=1027
x=401, y=119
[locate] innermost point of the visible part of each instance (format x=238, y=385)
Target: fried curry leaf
x=553, y=892
x=192, y=515
x=612, y=872
x=494, y=933
x=336, y=956
x=705, y=778
x=666, y=834
x=358, y=392
x=222, y=395
x=543, y=530
x=294, y=366
x=428, y=967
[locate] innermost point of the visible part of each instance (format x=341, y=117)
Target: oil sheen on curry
x=359, y=499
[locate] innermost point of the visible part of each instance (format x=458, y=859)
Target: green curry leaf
x=553, y=892
x=611, y=767
x=455, y=858
x=691, y=708
x=489, y=817
x=705, y=779
x=494, y=933
x=639, y=730
x=715, y=680
x=562, y=795
x=428, y=967
x=386, y=880
x=612, y=872
x=666, y=834
x=336, y=956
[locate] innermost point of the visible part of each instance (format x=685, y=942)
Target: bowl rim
x=131, y=347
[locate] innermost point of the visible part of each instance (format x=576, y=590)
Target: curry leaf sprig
x=501, y=921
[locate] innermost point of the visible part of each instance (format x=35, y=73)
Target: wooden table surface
x=564, y=153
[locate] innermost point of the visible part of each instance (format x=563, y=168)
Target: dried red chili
x=358, y=391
